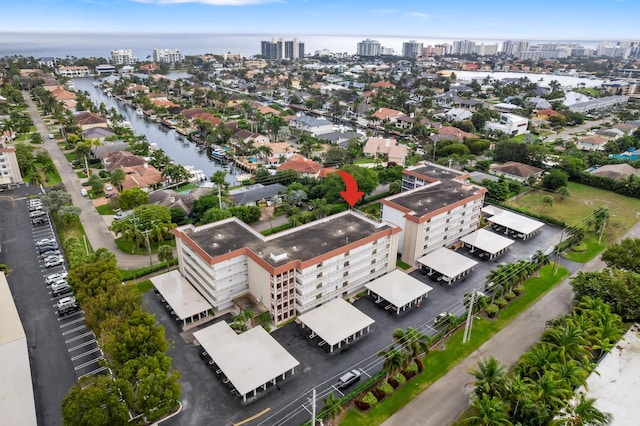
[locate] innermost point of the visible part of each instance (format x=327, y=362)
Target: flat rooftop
x=248, y=360
x=431, y=197
x=398, y=288
x=615, y=381
x=301, y=243
x=447, y=262
x=513, y=221
x=487, y=241
x=435, y=171
x=180, y=295
x=335, y=321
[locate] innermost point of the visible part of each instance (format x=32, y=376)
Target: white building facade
x=167, y=56
x=123, y=57
x=510, y=124
x=9, y=170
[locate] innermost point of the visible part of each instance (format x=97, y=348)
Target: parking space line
x=81, y=345
x=70, y=315
x=86, y=353
x=81, y=366
x=67, y=324
x=96, y=371
x=79, y=337
x=73, y=330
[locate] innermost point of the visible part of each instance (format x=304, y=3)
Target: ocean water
x=100, y=44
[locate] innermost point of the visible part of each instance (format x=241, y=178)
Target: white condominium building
x=9, y=170
x=123, y=57
x=290, y=272
x=167, y=56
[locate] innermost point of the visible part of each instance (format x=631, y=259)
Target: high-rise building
x=369, y=47
x=463, y=47
x=411, y=49
x=486, y=49
x=437, y=50
x=167, y=56
x=275, y=50
x=123, y=57
x=511, y=48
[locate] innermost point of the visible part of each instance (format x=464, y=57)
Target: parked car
x=35, y=206
x=40, y=220
x=108, y=187
x=84, y=192
x=348, y=379
x=122, y=214
x=37, y=213
x=44, y=241
x=52, y=252
x=67, y=305
x=60, y=287
x=110, y=195
x=49, y=279
x=47, y=247
x=53, y=261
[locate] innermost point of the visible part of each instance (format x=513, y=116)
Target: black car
x=111, y=194
x=47, y=247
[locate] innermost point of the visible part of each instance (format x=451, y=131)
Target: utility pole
x=467, y=326
x=313, y=407
x=555, y=266
x=604, y=223
x=146, y=233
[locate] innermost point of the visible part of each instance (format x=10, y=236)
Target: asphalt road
x=447, y=398
x=94, y=226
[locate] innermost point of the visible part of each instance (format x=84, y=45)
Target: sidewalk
x=447, y=398
x=94, y=226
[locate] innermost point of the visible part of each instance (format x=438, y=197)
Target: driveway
x=94, y=226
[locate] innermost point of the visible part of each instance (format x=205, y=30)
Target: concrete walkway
x=94, y=226
x=444, y=401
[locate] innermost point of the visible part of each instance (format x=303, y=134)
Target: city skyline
x=489, y=20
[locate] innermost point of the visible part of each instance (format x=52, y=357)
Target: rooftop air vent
x=278, y=256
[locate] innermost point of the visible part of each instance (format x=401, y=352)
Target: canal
x=177, y=147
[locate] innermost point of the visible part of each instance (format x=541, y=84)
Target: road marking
x=85, y=354
x=96, y=371
x=79, y=337
x=69, y=315
x=73, y=330
x=82, y=345
x=81, y=366
x=255, y=416
x=67, y=324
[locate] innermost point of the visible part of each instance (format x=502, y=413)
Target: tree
x=490, y=411
x=393, y=360
x=117, y=176
x=69, y=214
x=95, y=400
x=165, y=254
x=274, y=123
x=332, y=406
x=412, y=341
x=96, y=184
x=490, y=377
x=547, y=200
x=131, y=198
x=623, y=255
x=214, y=214
x=55, y=199
x=555, y=179
x=582, y=412
x=563, y=192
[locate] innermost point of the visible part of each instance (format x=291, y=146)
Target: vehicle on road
x=52, y=261
x=348, y=379
x=60, y=287
x=50, y=279
x=50, y=135
x=67, y=305
x=84, y=192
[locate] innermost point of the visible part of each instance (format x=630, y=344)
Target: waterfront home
x=88, y=120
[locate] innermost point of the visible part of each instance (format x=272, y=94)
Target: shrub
x=386, y=388
x=400, y=379
x=518, y=290
x=4, y=268
x=510, y=296
x=492, y=310
x=408, y=374
x=378, y=394
x=393, y=383
x=580, y=248
x=412, y=368
x=369, y=398
x=419, y=364
x=362, y=405
x=501, y=303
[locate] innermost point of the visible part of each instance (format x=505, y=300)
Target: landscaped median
x=438, y=362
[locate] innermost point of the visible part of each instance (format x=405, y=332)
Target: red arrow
x=351, y=195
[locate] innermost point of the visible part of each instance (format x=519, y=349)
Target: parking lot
x=61, y=348
x=206, y=397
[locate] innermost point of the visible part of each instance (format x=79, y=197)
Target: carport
x=249, y=361
x=398, y=290
x=522, y=226
x=336, y=322
x=185, y=301
x=489, y=243
x=451, y=265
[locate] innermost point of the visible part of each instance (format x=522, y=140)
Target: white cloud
x=210, y=2
x=419, y=15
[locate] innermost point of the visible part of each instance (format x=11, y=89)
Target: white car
x=108, y=187
x=60, y=287
x=49, y=279
x=45, y=241
x=53, y=261
x=84, y=192
x=67, y=305
x=122, y=214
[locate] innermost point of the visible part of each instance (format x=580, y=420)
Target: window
x=345, y=274
x=346, y=264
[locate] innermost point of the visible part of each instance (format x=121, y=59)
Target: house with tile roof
x=302, y=165
x=385, y=148
x=143, y=176
x=592, y=143
x=136, y=89
x=88, y=120
x=99, y=133
x=516, y=171
x=112, y=160
x=386, y=115
x=454, y=133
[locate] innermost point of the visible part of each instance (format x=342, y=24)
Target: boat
x=139, y=112
x=196, y=176
x=153, y=117
x=219, y=154
x=96, y=84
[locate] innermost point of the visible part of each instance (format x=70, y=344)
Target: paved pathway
x=447, y=398
x=94, y=226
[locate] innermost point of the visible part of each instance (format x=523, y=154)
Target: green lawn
x=144, y=286
x=581, y=203
x=439, y=362
x=592, y=250
x=128, y=247
x=366, y=160
x=52, y=178
x=185, y=187
x=105, y=209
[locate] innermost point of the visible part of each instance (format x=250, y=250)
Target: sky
x=474, y=19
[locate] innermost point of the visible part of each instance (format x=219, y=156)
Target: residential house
x=510, y=124
x=106, y=147
x=386, y=115
x=592, y=143
x=114, y=159
x=405, y=122
x=87, y=120
x=516, y=171
x=74, y=71
x=458, y=114
x=626, y=128
x=172, y=199
x=611, y=133
x=616, y=171
x=450, y=132
x=245, y=136
x=506, y=107
x=143, y=176
x=545, y=114
x=302, y=165
x=340, y=138
x=312, y=125
x=538, y=103
x=386, y=148
x=136, y=89
x=99, y=133
x=253, y=194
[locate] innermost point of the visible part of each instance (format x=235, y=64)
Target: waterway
x=567, y=81
x=177, y=147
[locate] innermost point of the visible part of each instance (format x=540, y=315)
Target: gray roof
x=339, y=136
x=311, y=121
x=253, y=193
x=111, y=146
x=447, y=262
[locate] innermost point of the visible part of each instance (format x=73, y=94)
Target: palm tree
x=550, y=390
x=165, y=254
x=490, y=411
x=332, y=407
x=117, y=176
x=571, y=372
x=274, y=124
x=569, y=341
x=490, y=377
x=582, y=413
x=412, y=341
x=517, y=394
x=308, y=144
x=393, y=360
x=536, y=360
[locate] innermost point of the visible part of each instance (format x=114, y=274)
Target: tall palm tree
x=569, y=340
x=517, y=394
x=490, y=411
x=332, y=407
x=117, y=176
x=490, y=377
x=536, y=360
x=412, y=341
x=393, y=360
x=571, y=372
x=582, y=413
x=550, y=390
